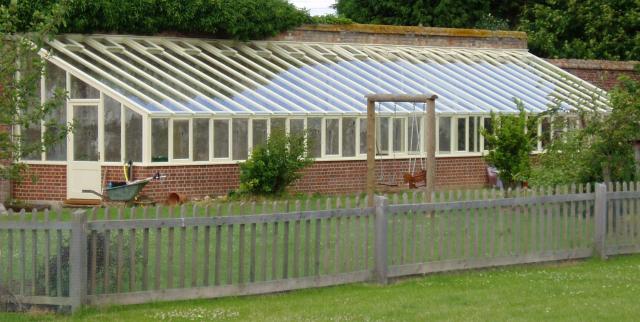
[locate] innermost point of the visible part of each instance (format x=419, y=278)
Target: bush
x=512, y=139
x=235, y=19
x=600, y=149
x=274, y=165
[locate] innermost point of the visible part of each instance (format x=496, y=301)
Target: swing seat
x=419, y=179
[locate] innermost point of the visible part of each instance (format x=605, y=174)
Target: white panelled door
x=83, y=169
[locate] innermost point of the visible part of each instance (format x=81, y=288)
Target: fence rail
x=126, y=256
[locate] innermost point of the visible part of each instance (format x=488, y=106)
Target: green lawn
x=575, y=291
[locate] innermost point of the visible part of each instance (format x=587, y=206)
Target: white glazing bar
x=551, y=70
x=444, y=94
x=441, y=88
x=522, y=83
x=314, y=95
x=286, y=109
x=215, y=82
x=58, y=46
x=461, y=88
x=158, y=83
x=533, y=101
x=185, y=78
x=310, y=75
x=469, y=82
x=321, y=60
x=137, y=81
x=553, y=77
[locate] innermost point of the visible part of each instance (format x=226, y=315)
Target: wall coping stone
x=594, y=64
x=415, y=30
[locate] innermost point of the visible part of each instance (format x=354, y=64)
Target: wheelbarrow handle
x=93, y=192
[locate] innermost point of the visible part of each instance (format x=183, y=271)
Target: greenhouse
x=162, y=101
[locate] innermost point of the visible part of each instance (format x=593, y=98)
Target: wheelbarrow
x=126, y=192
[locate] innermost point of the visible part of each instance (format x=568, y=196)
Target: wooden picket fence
x=127, y=256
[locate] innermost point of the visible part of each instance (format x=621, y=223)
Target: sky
x=316, y=7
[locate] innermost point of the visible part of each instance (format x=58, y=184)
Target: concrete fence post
x=600, y=210
x=380, y=271
x=78, y=260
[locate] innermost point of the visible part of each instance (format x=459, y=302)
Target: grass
x=568, y=291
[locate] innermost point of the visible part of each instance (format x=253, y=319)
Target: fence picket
x=241, y=261
x=132, y=253
x=170, y=242
x=252, y=253
x=274, y=251
x=217, y=255
x=285, y=249
x=194, y=248
x=145, y=252
x=47, y=256
x=296, y=243
x=23, y=254
x=158, y=252
x=229, y=269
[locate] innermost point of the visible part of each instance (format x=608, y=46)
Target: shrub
x=274, y=165
x=512, y=139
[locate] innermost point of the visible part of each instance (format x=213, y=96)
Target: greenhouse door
x=83, y=170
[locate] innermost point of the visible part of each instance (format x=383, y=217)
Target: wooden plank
x=403, y=236
x=218, y=255
x=318, y=249
x=464, y=264
x=493, y=210
x=241, y=247
x=274, y=252
x=466, y=253
x=307, y=246
x=58, y=258
x=206, y=273
x=119, y=254
x=23, y=255
x=145, y=253
x=357, y=242
x=252, y=253
x=132, y=254
x=194, y=249
x=517, y=234
x=34, y=254
x=158, y=253
x=229, y=254
x=265, y=246
x=106, y=279
x=285, y=251
x=229, y=290
x=296, y=244
x=183, y=257
x=170, y=245
x=501, y=230
x=47, y=257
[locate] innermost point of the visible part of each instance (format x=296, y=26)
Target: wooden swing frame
x=429, y=137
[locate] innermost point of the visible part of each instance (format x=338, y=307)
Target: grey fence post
x=78, y=260
x=600, y=210
x=380, y=271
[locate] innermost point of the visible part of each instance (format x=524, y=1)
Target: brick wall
x=406, y=35
x=51, y=183
x=214, y=180
x=601, y=73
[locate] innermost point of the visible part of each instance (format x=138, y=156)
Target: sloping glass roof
x=204, y=77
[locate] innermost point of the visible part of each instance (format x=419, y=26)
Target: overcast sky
x=316, y=7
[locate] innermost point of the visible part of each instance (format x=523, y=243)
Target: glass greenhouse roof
x=165, y=76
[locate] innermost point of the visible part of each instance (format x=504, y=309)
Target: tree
x=601, y=148
x=512, y=139
x=235, y=19
x=591, y=29
x=21, y=68
x=441, y=13
x=274, y=165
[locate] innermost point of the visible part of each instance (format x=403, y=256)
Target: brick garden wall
x=601, y=73
x=406, y=35
x=329, y=177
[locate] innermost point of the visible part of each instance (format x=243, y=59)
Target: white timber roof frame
x=164, y=76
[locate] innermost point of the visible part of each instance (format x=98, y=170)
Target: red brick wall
x=406, y=35
x=601, y=73
x=213, y=180
x=51, y=183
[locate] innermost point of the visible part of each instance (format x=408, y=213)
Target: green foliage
x=512, y=138
x=601, y=149
x=235, y=19
x=331, y=19
x=592, y=29
x=274, y=165
x=20, y=104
